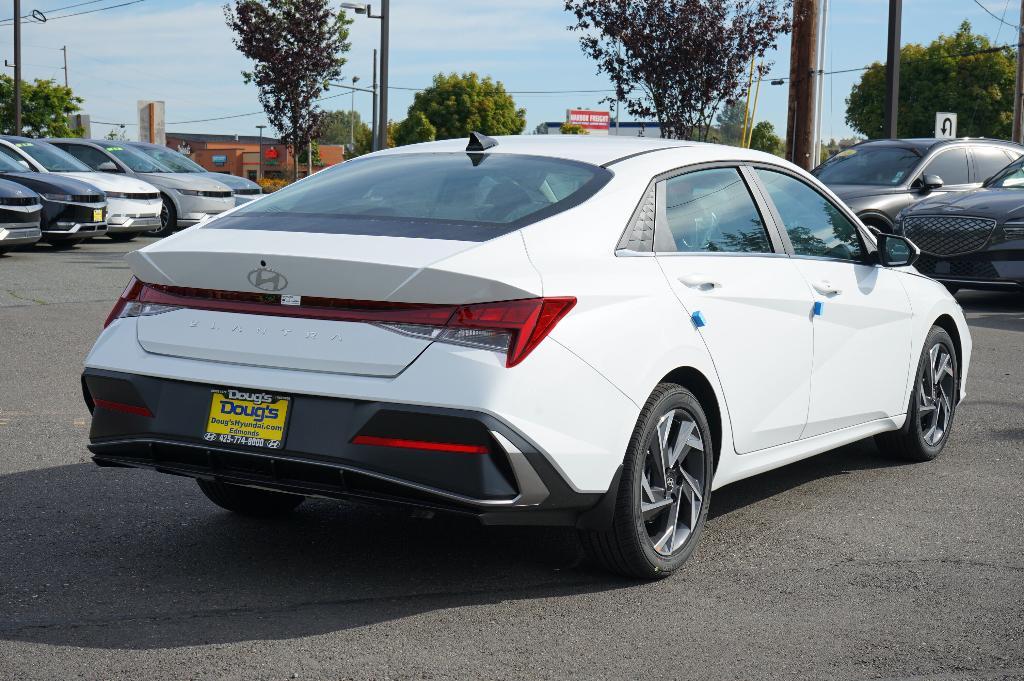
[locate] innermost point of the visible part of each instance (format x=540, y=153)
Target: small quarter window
x=712, y=211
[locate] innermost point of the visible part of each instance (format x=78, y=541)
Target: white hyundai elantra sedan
x=594, y=333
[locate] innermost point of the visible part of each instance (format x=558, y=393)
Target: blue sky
x=180, y=51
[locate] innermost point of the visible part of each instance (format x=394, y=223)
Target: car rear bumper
x=512, y=483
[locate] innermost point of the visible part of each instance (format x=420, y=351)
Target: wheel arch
x=947, y=324
x=698, y=384
x=876, y=219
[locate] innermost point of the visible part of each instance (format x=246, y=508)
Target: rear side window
x=712, y=211
x=950, y=165
x=470, y=197
x=816, y=227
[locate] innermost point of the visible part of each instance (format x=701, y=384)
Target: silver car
x=245, y=190
x=188, y=198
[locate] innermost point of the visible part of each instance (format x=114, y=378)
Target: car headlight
x=58, y=197
x=116, y=195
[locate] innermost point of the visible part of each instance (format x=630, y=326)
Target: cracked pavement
x=844, y=566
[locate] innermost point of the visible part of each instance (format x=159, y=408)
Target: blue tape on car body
x=698, y=319
x=818, y=307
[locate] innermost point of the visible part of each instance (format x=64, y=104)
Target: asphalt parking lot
x=845, y=566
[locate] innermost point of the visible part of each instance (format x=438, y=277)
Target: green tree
x=337, y=129
x=415, y=128
x=730, y=123
x=456, y=105
x=763, y=138
x=45, y=107
x=572, y=129
x=961, y=73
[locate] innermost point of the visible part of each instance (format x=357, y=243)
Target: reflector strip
x=123, y=408
x=418, y=444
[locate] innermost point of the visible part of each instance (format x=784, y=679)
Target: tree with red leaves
x=297, y=47
x=678, y=61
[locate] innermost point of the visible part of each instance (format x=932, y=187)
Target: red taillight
x=515, y=327
x=527, y=322
x=131, y=292
x=425, y=445
x=132, y=409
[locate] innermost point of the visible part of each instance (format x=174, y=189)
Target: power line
x=10, y=21
x=993, y=15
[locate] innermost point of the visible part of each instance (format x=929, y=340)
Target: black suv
x=879, y=178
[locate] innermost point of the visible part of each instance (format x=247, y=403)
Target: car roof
x=593, y=149
x=926, y=144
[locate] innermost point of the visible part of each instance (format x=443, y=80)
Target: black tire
x=121, y=236
x=260, y=503
x=168, y=219
x=916, y=440
x=627, y=546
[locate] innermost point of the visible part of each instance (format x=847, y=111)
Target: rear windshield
x=468, y=197
x=886, y=166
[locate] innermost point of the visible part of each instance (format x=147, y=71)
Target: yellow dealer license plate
x=97, y=215
x=247, y=417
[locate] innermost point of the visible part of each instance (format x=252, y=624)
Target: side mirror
x=895, y=250
x=108, y=167
x=930, y=182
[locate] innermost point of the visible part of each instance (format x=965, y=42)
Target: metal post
x=259, y=167
x=17, y=67
x=309, y=157
x=1018, y=92
x=385, y=18
x=819, y=84
x=352, y=115
x=65, y=51
x=892, y=71
x=373, y=123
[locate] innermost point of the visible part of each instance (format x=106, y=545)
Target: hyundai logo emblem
x=266, y=279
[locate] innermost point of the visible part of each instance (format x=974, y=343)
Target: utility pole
x=892, y=71
x=819, y=84
x=352, y=116
x=802, y=66
x=1018, y=92
x=373, y=122
x=17, y=67
x=65, y=51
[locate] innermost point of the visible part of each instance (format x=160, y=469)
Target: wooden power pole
x=802, y=65
x=1018, y=91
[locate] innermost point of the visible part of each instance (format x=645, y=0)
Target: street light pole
x=17, y=67
x=259, y=167
x=381, y=137
x=373, y=116
x=385, y=17
x=352, y=116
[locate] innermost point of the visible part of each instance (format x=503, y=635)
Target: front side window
x=87, y=155
x=816, y=227
x=471, y=197
x=712, y=211
x=951, y=166
x=135, y=160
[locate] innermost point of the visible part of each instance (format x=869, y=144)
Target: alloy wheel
x=935, y=389
x=672, y=486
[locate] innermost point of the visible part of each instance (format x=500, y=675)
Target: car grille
x=948, y=235
x=216, y=194
x=970, y=268
x=247, y=192
x=142, y=196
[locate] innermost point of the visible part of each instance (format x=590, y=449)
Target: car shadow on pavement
x=993, y=310
x=111, y=558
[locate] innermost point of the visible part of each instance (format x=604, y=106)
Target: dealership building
x=599, y=122
x=240, y=154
